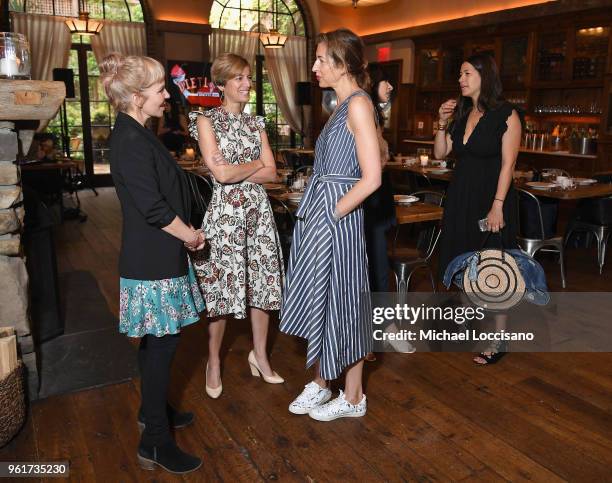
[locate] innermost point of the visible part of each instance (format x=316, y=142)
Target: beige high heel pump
x=256, y=371
x=213, y=392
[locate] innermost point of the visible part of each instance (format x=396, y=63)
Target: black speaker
x=303, y=93
x=67, y=77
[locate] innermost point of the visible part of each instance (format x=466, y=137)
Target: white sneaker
x=402, y=346
x=339, y=408
x=312, y=396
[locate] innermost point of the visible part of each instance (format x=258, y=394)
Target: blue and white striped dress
x=327, y=275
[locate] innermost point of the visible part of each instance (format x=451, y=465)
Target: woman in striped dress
x=328, y=272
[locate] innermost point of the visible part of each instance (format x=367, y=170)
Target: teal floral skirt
x=159, y=307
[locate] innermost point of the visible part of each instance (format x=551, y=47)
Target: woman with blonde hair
x=158, y=290
x=242, y=274
x=327, y=284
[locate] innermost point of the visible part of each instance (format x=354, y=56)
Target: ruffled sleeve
x=504, y=112
x=193, y=121
x=260, y=123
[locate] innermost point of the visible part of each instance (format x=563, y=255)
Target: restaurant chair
x=201, y=192
x=285, y=221
x=593, y=216
x=406, y=261
x=531, y=242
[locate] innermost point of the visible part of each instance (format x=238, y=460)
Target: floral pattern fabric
x=242, y=265
x=159, y=307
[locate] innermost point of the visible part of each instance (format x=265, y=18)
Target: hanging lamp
x=83, y=25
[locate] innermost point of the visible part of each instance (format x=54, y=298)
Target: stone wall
x=14, y=292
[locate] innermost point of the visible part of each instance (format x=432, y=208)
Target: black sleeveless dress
x=471, y=191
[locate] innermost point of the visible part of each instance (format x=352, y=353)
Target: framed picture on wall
x=190, y=84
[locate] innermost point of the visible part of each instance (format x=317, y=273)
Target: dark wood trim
x=530, y=15
x=259, y=107
x=5, y=20
x=182, y=27
x=85, y=114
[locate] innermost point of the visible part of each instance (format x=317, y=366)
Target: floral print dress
x=242, y=265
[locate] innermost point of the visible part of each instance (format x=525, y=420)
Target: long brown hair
x=346, y=49
x=490, y=97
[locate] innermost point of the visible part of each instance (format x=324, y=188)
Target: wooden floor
x=539, y=417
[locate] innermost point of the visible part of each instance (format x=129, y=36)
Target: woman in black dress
x=485, y=137
x=378, y=208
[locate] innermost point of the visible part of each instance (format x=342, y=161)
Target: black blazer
x=152, y=190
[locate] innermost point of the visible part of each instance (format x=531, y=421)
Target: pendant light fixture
x=83, y=25
x=273, y=39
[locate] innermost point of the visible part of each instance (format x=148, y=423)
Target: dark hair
x=490, y=87
x=346, y=49
x=377, y=75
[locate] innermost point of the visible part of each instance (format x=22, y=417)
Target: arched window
x=119, y=10
x=284, y=15
x=88, y=114
x=260, y=16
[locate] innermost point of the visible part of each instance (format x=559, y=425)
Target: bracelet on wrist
x=498, y=199
x=442, y=125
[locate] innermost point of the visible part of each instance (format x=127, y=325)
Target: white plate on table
x=404, y=199
x=584, y=181
x=438, y=170
x=294, y=197
x=540, y=185
x=274, y=186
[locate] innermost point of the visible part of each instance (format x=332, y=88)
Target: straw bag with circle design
x=492, y=279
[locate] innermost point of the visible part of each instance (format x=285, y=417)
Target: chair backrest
x=596, y=210
x=430, y=231
x=201, y=193
x=532, y=200
x=303, y=169
x=285, y=221
x=429, y=196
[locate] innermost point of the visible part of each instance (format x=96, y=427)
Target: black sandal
x=497, y=350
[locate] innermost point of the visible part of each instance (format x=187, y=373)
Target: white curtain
x=286, y=67
x=127, y=38
x=49, y=39
x=234, y=41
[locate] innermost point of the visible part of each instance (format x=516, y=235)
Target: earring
x=222, y=95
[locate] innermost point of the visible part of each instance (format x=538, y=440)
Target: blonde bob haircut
x=124, y=76
x=226, y=66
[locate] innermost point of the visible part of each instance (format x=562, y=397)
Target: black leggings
x=155, y=356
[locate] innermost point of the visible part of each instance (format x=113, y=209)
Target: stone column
x=13, y=274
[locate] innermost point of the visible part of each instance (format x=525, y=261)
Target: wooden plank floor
x=431, y=417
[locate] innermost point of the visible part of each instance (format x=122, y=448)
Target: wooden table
x=59, y=166
x=581, y=191
x=300, y=150
x=404, y=214
x=417, y=212
x=428, y=172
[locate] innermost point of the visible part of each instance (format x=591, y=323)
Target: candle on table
x=9, y=67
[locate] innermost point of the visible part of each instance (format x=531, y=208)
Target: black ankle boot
x=176, y=419
x=169, y=456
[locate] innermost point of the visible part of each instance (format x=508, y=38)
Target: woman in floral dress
x=243, y=268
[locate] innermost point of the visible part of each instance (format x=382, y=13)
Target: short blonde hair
x=226, y=66
x=123, y=76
